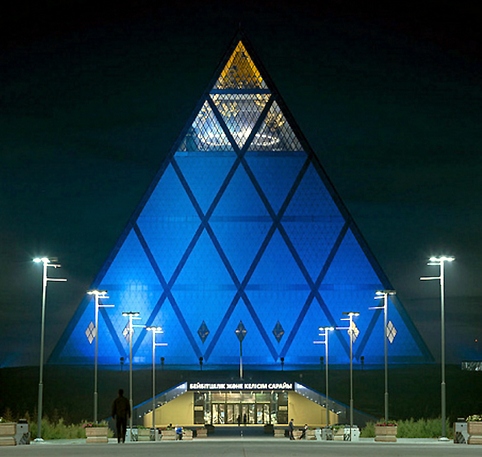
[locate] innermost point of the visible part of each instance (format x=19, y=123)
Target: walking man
x=121, y=411
x=291, y=427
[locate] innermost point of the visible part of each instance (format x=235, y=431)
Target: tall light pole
x=353, y=333
x=131, y=315
x=154, y=331
x=440, y=261
x=98, y=294
x=378, y=295
x=45, y=279
x=325, y=334
x=241, y=333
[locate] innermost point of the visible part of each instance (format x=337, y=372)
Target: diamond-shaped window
x=278, y=331
x=240, y=331
x=203, y=331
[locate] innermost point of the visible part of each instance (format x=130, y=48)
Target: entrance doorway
x=224, y=408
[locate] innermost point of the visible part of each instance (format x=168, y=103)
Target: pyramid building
x=241, y=242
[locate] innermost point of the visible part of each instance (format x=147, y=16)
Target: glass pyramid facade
x=241, y=229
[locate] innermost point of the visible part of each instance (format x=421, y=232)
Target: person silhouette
x=291, y=428
x=121, y=411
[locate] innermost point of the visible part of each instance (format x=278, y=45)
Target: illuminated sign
x=240, y=386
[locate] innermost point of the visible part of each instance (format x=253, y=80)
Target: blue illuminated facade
x=241, y=224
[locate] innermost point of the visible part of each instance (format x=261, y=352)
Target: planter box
x=386, y=433
x=202, y=433
x=339, y=434
x=144, y=434
x=168, y=435
x=7, y=433
x=474, y=429
x=96, y=434
x=279, y=433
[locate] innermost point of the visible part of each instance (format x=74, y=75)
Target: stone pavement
x=245, y=447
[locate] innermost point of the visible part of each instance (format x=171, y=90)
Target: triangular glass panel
x=196, y=166
x=233, y=208
x=240, y=113
x=225, y=348
x=240, y=241
x=168, y=222
x=240, y=72
x=205, y=134
x=203, y=303
x=275, y=134
x=276, y=177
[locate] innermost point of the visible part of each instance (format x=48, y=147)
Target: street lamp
x=131, y=315
x=98, y=294
x=353, y=333
x=324, y=334
x=378, y=295
x=440, y=261
x=46, y=263
x=155, y=331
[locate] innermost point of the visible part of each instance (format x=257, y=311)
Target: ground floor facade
x=253, y=404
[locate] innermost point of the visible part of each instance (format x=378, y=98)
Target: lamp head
x=41, y=260
x=326, y=329
x=155, y=329
x=97, y=292
x=131, y=313
x=442, y=258
x=380, y=293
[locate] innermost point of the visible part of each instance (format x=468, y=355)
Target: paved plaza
x=245, y=447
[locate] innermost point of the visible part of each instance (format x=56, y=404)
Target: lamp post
x=45, y=279
x=440, y=261
x=241, y=333
x=353, y=333
x=154, y=331
x=324, y=334
x=98, y=294
x=131, y=315
x=378, y=295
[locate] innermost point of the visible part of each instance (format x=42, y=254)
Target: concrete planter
x=96, y=434
x=386, y=433
x=143, y=434
x=474, y=429
x=168, y=435
x=7, y=433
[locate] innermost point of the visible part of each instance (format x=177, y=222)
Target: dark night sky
x=93, y=95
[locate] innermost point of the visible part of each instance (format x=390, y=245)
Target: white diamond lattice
x=90, y=332
x=391, y=332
